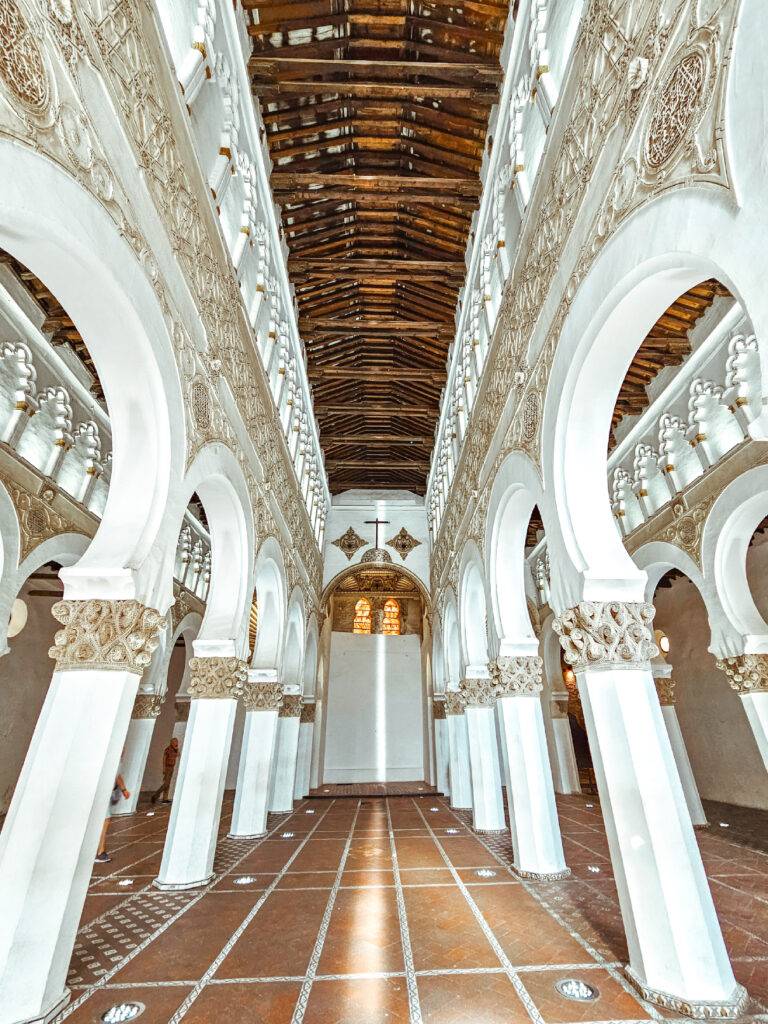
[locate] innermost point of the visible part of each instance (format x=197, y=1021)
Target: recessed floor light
x=593, y=868
x=150, y=814
x=485, y=873
x=451, y=831
x=724, y=824
x=122, y=1011
x=245, y=880
x=434, y=809
x=309, y=812
x=288, y=835
x=574, y=988
x=125, y=882
x=590, y=806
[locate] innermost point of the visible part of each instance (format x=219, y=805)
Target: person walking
x=119, y=791
x=170, y=756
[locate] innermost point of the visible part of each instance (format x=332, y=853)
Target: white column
x=442, y=748
x=317, y=734
x=665, y=688
x=179, y=732
x=53, y=825
x=566, y=769
x=284, y=775
x=461, y=784
x=304, y=753
x=249, y=815
x=190, y=843
x=748, y=675
x=480, y=713
x=133, y=763
x=677, y=956
x=536, y=841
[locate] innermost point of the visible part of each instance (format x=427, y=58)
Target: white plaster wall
x=719, y=741
x=25, y=673
x=375, y=710
x=353, y=508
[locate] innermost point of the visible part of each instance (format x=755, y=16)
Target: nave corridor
x=387, y=910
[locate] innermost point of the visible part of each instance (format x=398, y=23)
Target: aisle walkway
x=366, y=911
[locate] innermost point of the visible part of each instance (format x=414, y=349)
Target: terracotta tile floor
x=373, y=912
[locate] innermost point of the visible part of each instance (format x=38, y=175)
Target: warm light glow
x=664, y=643
x=569, y=676
x=18, y=618
x=391, y=623
x=362, y=623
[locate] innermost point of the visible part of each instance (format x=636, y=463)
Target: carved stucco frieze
x=607, y=634
x=477, y=692
x=687, y=528
x=262, y=696
x=103, y=635
x=660, y=86
x=147, y=705
x=220, y=678
x=665, y=688
x=517, y=676
x=747, y=673
x=291, y=706
x=454, y=703
x=307, y=713
x=438, y=710
x=185, y=602
x=37, y=520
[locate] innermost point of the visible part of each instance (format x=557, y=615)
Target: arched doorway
x=374, y=729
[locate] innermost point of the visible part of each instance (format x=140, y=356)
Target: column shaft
x=442, y=756
x=303, y=760
x=756, y=710
x=134, y=761
x=249, y=816
x=680, y=754
x=460, y=782
x=284, y=775
x=567, y=771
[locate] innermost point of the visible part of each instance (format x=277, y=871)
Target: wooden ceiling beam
x=376, y=373
x=374, y=90
x=419, y=465
x=369, y=267
x=378, y=409
x=386, y=70
x=376, y=439
x=349, y=325
x=381, y=200
x=363, y=184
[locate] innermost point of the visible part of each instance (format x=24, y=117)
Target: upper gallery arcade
x=383, y=484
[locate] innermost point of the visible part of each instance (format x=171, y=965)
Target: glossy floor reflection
x=379, y=911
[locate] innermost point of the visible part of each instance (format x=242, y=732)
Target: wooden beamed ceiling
x=376, y=114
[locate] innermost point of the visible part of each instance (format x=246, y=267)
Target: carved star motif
x=349, y=542
x=403, y=543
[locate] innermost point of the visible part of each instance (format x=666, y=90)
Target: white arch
x=438, y=658
x=272, y=601
x=65, y=548
x=216, y=477
x=156, y=680
x=725, y=541
x=310, y=658
x=451, y=641
x=293, y=651
x=472, y=611
x=693, y=235
x=10, y=547
x=516, y=491
x=65, y=236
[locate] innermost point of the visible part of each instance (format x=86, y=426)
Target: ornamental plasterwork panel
x=687, y=527
x=45, y=107
x=657, y=74
x=185, y=602
x=403, y=543
x=349, y=542
x=37, y=520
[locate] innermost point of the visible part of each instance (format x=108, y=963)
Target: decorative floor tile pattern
x=371, y=789
x=387, y=910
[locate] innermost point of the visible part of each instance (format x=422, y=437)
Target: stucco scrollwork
x=307, y=713
x=262, y=696
x=291, y=706
x=477, y=693
x=665, y=688
x=221, y=678
x=438, y=710
x=99, y=635
x=22, y=68
x=517, y=676
x=747, y=673
x=454, y=703
x=147, y=705
x=687, y=527
x=611, y=634
x=37, y=519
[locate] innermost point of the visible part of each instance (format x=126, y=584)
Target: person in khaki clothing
x=170, y=755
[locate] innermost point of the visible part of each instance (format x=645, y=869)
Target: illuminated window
x=362, y=623
x=391, y=623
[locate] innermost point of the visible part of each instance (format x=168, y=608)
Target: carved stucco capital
x=307, y=713
x=438, y=710
x=291, y=706
x=747, y=673
x=99, y=635
x=454, y=703
x=518, y=676
x=665, y=688
x=478, y=692
x=607, y=634
x=147, y=705
x=182, y=710
x=262, y=696
x=217, y=677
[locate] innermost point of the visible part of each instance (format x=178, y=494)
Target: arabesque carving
x=477, y=693
x=747, y=673
x=291, y=706
x=147, y=705
x=517, y=676
x=607, y=634
x=454, y=703
x=219, y=678
x=307, y=713
x=262, y=696
x=99, y=635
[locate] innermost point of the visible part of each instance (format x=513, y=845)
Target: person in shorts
x=119, y=792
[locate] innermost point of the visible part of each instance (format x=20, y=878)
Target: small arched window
x=362, y=623
x=391, y=623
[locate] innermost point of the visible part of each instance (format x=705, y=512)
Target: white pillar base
x=680, y=754
x=567, y=776
x=303, y=760
x=756, y=710
x=442, y=756
x=249, y=815
x=51, y=833
x=487, y=798
x=284, y=775
x=190, y=844
x=676, y=949
x=536, y=841
x=51, y=1013
x=134, y=762
x=461, y=785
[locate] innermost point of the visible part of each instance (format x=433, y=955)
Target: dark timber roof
x=376, y=115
